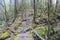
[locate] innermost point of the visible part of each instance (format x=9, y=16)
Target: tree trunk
x=15, y=14
x=35, y=11
x=55, y=12
x=49, y=27
x=5, y=11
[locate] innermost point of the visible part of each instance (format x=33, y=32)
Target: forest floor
x=25, y=25
x=57, y=28
x=19, y=27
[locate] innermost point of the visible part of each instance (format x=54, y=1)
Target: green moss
x=33, y=26
x=4, y=35
x=16, y=37
x=42, y=31
x=30, y=35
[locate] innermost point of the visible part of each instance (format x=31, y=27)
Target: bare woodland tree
x=22, y=9
x=49, y=27
x=15, y=9
x=5, y=11
x=55, y=12
x=35, y=10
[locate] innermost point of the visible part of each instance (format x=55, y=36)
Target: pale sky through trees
x=54, y=1
x=7, y=1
